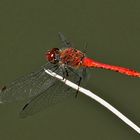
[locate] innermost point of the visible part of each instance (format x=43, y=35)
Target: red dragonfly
x=43, y=90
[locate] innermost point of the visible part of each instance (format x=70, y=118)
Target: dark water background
x=112, y=30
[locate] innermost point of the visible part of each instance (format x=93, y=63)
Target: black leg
x=67, y=74
x=64, y=72
x=77, y=91
x=54, y=67
x=77, y=82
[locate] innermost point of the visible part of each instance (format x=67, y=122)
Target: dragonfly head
x=53, y=55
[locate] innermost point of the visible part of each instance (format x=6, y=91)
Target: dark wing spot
x=3, y=88
x=25, y=106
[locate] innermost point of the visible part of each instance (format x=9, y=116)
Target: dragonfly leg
x=53, y=68
x=67, y=74
x=79, y=82
x=63, y=72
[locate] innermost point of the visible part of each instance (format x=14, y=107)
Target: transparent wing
x=64, y=41
x=27, y=86
x=57, y=92
x=54, y=94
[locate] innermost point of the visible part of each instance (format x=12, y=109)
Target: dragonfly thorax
x=71, y=57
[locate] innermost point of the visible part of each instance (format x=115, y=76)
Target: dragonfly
x=42, y=90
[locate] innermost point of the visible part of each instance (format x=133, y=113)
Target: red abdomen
x=87, y=62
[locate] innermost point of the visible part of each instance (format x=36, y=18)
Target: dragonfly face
x=53, y=55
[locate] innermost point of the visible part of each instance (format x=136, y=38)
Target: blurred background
x=111, y=29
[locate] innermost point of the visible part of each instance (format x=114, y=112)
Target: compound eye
x=51, y=55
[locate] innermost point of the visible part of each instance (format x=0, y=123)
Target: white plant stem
x=96, y=98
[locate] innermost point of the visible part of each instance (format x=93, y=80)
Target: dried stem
x=96, y=98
